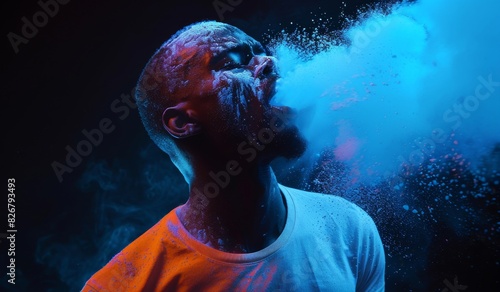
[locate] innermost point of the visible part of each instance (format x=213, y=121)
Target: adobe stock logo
x=221, y=6
x=30, y=27
x=94, y=137
x=453, y=287
x=365, y=34
x=455, y=115
x=462, y=110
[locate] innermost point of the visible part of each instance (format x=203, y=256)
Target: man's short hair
x=161, y=79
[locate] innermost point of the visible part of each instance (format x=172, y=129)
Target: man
x=205, y=99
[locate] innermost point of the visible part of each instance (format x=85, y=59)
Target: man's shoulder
x=341, y=210
x=139, y=255
x=323, y=200
x=154, y=234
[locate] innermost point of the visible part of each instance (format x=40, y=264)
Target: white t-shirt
x=327, y=244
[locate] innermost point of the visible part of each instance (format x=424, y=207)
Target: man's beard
x=274, y=136
x=272, y=142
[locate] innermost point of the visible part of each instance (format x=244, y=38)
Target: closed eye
x=233, y=58
x=236, y=57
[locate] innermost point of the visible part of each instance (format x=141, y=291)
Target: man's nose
x=263, y=66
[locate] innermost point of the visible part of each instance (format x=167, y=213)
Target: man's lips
x=268, y=87
x=260, y=69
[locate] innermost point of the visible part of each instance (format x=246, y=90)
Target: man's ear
x=180, y=122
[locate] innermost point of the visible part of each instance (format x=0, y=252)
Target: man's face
x=230, y=84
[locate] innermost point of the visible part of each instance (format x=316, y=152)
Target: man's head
x=207, y=90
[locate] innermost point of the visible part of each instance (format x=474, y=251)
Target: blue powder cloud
x=401, y=83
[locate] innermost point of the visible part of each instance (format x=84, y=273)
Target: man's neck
x=246, y=215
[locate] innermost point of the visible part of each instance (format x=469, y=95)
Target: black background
x=65, y=79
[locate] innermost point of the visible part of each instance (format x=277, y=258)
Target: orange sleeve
x=88, y=288
x=136, y=267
